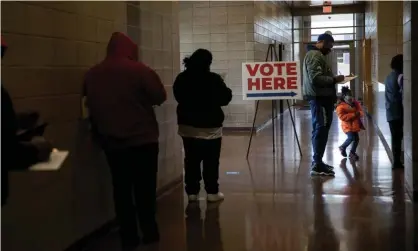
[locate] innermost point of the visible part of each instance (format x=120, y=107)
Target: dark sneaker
x=130, y=244
x=398, y=166
x=343, y=151
x=354, y=156
x=328, y=166
x=321, y=170
x=147, y=240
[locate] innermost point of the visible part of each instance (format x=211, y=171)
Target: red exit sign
x=327, y=9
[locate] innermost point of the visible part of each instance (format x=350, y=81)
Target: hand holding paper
x=347, y=79
x=338, y=79
x=53, y=164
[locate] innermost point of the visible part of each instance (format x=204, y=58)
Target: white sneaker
x=193, y=198
x=215, y=197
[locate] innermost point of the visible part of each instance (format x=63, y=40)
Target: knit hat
x=326, y=37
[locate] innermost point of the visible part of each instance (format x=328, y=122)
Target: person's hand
x=44, y=148
x=339, y=78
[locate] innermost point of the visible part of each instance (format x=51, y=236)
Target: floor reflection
x=322, y=236
x=203, y=231
x=272, y=203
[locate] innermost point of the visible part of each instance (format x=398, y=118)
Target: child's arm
x=344, y=115
x=359, y=109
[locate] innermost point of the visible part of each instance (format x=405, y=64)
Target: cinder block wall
x=226, y=29
x=410, y=43
x=235, y=32
x=272, y=21
x=386, y=34
x=154, y=27
x=51, y=45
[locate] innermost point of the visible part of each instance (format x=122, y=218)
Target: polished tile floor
x=273, y=204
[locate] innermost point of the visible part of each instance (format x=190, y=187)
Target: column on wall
x=410, y=45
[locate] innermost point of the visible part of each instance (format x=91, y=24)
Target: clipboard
x=347, y=79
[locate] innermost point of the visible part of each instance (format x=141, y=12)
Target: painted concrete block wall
x=51, y=45
x=272, y=22
x=235, y=32
x=386, y=34
x=410, y=43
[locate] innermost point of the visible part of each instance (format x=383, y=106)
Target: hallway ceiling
x=316, y=3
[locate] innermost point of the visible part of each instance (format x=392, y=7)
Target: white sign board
x=271, y=81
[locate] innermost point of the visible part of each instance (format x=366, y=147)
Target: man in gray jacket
x=319, y=89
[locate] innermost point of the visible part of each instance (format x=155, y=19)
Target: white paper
x=347, y=79
x=54, y=163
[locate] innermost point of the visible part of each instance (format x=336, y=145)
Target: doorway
x=343, y=60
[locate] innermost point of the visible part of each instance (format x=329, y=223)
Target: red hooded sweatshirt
x=121, y=93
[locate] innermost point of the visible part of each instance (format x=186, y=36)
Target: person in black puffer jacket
x=201, y=94
x=16, y=154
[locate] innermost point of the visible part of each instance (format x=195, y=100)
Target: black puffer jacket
x=200, y=96
x=15, y=154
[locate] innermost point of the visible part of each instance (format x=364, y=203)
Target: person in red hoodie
x=120, y=95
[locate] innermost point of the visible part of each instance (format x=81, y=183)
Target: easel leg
x=252, y=128
x=294, y=126
x=273, y=122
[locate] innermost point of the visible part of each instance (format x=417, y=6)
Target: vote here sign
x=271, y=80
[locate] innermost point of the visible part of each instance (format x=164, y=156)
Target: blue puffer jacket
x=393, y=96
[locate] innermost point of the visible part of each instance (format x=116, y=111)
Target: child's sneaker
x=354, y=156
x=343, y=152
x=215, y=197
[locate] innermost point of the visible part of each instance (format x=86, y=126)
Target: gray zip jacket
x=393, y=96
x=318, y=79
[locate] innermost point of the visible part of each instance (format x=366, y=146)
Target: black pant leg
x=145, y=188
x=212, y=152
x=192, y=171
x=356, y=140
x=396, y=129
x=119, y=163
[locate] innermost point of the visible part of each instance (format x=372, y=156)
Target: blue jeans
x=352, y=137
x=322, y=112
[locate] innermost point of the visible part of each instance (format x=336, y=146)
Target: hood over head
x=121, y=46
x=3, y=47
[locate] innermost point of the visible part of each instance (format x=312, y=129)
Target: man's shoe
x=321, y=170
x=397, y=166
x=328, y=166
x=130, y=245
x=150, y=239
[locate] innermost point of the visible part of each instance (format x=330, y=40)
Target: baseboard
x=381, y=137
x=413, y=195
x=111, y=225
